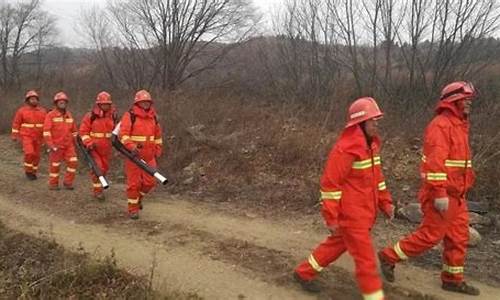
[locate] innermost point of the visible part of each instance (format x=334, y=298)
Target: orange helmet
x=458, y=90
x=60, y=96
x=142, y=95
x=30, y=94
x=103, y=98
x=363, y=109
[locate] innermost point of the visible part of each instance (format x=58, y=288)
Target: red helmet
x=142, y=95
x=363, y=109
x=30, y=94
x=103, y=98
x=60, y=96
x=457, y=91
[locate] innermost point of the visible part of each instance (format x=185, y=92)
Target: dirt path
x=194, y=247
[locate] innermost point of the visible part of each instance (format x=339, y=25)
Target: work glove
x=441, y=204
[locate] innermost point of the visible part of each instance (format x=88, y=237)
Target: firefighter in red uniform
x=27, y=128
x=95, y=131
x=447, y=175
x=59, y=131
x=353, y=189
x=141, y=134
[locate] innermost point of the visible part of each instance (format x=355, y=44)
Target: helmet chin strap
x=368, y=139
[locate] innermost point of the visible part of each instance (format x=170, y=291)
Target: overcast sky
x=67, y=11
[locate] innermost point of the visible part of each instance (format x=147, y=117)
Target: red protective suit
x=95, y=131
x=28, y=127
x=144, y=136
x=352, y=190
x=446, y=171
x=59, y=131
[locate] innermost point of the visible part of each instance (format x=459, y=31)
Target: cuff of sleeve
x=440, y=193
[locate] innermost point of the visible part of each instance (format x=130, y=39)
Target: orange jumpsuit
x=59, y=131
x=28, y=126
x=95, y=130
x=446, y=171
x=352, y=190
x=143, y=135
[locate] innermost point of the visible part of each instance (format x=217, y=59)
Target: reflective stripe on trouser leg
x=430, y=232
x=36, y=157
x=29, y=153
x=133, y=205
x=28, y=166
x=360, y=246
x=71, y=165
x=133, y=185
x=54, y=173
x=96, y=184
x=326, y=252
x=455, y=244
x=378, y=295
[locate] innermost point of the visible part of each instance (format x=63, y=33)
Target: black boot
x=461, y=287
x=308, y=285
x=30, y=176
x=386, y=268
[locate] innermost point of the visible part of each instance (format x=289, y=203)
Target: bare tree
x=167, y=42
x=24, y=27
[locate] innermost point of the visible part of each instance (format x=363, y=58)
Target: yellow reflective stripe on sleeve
x=159, y=141
x=363, y=164
x=53, y=175
x=27, y=125
x=85, y=137
x=35, y=167
x=47, y=133
x=458, y=163
x=133, y=201
x=125, y=138
x=15, y=130
x=314, y=264
x=367, y=163
x=142, y=193
x=142, y=138
x=138, y=138
x=73, y=159
x=453, y=270
x=97, y=185
x=382, y=186
x=69, y=120
x=58, y=120
x=437, y=176
x=399, y=252
x=100, y=135
x=378, y=295
x=56, y=164
x=28, y=165
x=331, y=195
x=71, y=170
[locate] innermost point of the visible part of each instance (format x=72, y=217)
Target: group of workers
x=139, y=131
x=353, y=187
